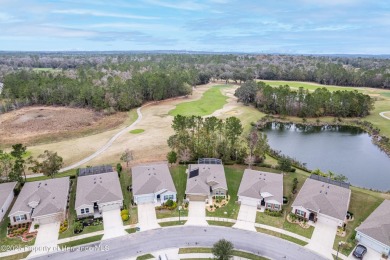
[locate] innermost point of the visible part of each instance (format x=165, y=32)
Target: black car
x=360, y=251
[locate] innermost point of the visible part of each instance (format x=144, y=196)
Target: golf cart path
x=382, y=114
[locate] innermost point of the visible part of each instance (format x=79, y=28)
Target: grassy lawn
x=307, y=85
x=172, y=223
x=220, y=223
x=211, y=101
x=233, y=179
x=131, y=230
x=179, y=177
x=200, y=250
x=137, y=131
x=16, y=256
x=72, y=217
x=125, y=180
x=171, y=213
x=145, y=257
x=285, y=237
x=363, y=203
x=59, y=175
x=81, y=241
x=4, y=241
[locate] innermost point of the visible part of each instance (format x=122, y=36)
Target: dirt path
x=382, y=114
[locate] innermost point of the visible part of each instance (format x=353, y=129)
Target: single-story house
x=204, y=181
x=152, y=184
x=374, y=232
x=6, y=197
x=322, y=197
x=261, y=189
x=96, y=193
x=41, y=202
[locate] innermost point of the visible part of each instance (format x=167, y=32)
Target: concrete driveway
x=147, y=217
x=323, y=237
x=196, y=214
x=246, y=217
x=113, y=225
x=46, y=239
x=371, y=254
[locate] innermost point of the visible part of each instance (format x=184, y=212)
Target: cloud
x=101, y=14
x=183, y=5
x=7, y=18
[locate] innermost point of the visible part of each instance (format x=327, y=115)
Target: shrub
x=125, y=212
x=169, y=203
x=293, y=217
x=273, y=213
x=36, y=226
x=78, y=227
x=125, y=217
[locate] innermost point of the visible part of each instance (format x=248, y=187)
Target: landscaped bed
x=21, y=231
x=218, y=202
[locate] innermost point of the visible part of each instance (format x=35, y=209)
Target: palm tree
x=223, y=249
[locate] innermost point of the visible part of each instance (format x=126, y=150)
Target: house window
x=166, y=197
x=269, y=205
x=20, y=218
x=276, y=206
x=171, y=197
x=222, y=193
x=300, y=213
x=87, y=210
x=82, y=211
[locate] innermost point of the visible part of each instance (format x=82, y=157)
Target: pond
x=340, y=149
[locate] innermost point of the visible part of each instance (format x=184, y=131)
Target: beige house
x=204, y=181
x=374, y=232
x=261, y=189
x=96, y=193
x=152, y=183
x=6, y=197
x=322, y=197
x=41, y=202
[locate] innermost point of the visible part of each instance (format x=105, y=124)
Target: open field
x=211, y=101
x=307, y=85
x=41, y=124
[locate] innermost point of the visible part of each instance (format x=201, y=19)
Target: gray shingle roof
x=5, y=190
x=377, y=225
x=52, y=195
x=254, y=183
x=326, y=198
x=209, y=175
x=151, y=178
x=100, y=188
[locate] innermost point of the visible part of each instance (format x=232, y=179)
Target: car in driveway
x=360, y=251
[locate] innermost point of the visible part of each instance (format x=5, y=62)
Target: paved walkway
x=47, y=239
x=323, y=237
x=382, y=114
x=246, y=218
x=196, y=214
x=147, y=217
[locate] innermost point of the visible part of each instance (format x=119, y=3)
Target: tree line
x=303, y=103
x=13, y=165
x=196, y=137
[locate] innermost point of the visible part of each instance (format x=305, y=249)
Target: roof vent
x=94, y=182
x=328, y=186
x=54, y=198
x=326, y=193
x=320, y=191
x=45, y=184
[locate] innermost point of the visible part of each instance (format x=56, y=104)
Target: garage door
x=249, y=202
x=47, y=220
x=197, y=197
x=369, y=243
x=111, y=207
x=145, y=199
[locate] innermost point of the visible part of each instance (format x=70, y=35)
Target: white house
x=261, y=189
x=152, y=184
x=96, y=193
x=322, y=197
x=41, y=202
x=374, y=232
x=6, y=197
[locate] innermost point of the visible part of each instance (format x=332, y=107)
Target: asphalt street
x=186, y=236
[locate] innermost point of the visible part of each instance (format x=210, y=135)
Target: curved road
x=187, y=236
x=382, y=114
x=107, y=145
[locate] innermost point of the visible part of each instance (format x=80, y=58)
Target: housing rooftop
x=377, y=225
x=323, y=197
x=46, y=197
x=151, y=179
x=101, y=188
x=200, y=176
x=258, y=185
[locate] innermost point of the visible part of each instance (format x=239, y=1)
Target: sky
x=260, y=26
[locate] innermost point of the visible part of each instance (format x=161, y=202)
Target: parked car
x=360, y=251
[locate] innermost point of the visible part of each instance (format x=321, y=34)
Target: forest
x=120, y=81
x=303, y=103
